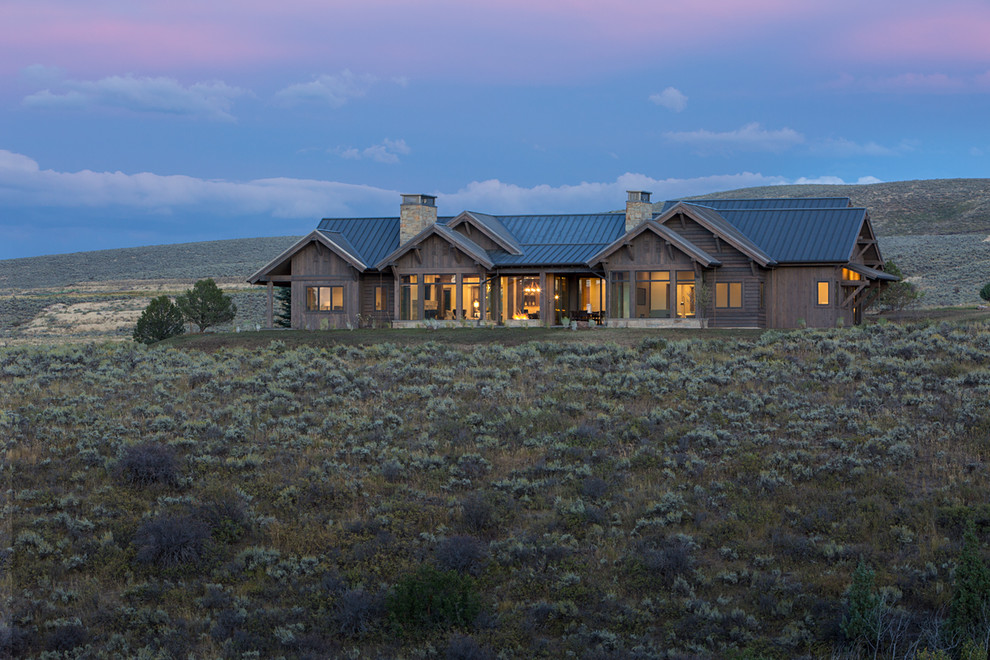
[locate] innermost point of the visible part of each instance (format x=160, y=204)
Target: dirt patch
x=104, y=317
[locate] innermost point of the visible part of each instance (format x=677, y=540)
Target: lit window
x=851, y=275
x=381, y=299
x=325, y=298
x=823, y=293
x=409, y=299
x=728, y=294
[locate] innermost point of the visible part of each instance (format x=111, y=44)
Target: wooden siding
x=369, y=284
x=316, y=265
x=649, y=251
x=794, y=297
x=477, y=237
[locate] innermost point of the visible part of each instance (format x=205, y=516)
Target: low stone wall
x=654, y=323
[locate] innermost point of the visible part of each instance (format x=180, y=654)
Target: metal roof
x=344, y=245
x=801, y=235
x=726, y=230
x=750, y=204
x=494, y=227
x=371, y=238
x=872, y=273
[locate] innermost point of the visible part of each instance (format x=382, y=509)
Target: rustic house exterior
x=763, y=263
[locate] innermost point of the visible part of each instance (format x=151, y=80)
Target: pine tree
x=859, y=624
x=160, y=320
x=283, y=307
x=969, y=611
x=206, y=305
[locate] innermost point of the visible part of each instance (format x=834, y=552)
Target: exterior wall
x=435, y=256
x=478, y=238
x=650, y=252
x=794, y=298
x=369, y=284
x=316, y=265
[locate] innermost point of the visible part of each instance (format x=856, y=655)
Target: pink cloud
x=954, y=32
x=497, y=37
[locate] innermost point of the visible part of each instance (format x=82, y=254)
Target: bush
x=66, y=638
x=171, y=541
x=464, y=554
x=356, y=611
x=985, y=292
x=148, y=463
x=430, y=599
x=206, y=305
x=898, y=295
x=462, y=647
x=160, y=320
x=859, y=625
x=969, y=611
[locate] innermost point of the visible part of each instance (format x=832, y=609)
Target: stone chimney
x=639, y=209
x=416, y=214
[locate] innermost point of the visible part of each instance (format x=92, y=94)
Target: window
x=620, y=295
x=470, y=297
x=325, y=298
x=409, y=298
x=823, y=293
x=381, y=299
x=851, y=275
x=652, y=294
x=763, y=295
x=728, y=294
x=438, y=297
x=590, y=294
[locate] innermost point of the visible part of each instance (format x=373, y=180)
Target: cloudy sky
x=130, y=122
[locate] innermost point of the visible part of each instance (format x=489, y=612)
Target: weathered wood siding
x=316, y=265
x=794, y=297
x=369, y=284
x=475, y=235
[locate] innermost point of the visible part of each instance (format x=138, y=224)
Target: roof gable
x=463, y=243
x=663, y=232
x=491, y=227
x=711, y=220
x=333, y=241
x=371, y=238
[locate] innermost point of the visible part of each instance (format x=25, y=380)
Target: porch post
x=271, y=306
x=544, y=296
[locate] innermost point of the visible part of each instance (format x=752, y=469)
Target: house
x=761, y=263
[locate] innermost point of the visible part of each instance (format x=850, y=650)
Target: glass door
x=685, y=294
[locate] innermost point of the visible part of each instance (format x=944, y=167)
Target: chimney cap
x=419, y=200
x=638, y=195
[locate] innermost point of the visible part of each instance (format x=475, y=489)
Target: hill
x=926, y=207
x=698, y=498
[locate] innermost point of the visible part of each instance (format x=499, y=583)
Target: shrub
x=430, y=599
x=477, y=513
x=148, y=463
x=160, y=320
x=66, y=637
x=985, y=292
x=464, y=554
x=462, y=647
x=859, y=625
x=356, y=611
x=206, y=305
x=171, y=541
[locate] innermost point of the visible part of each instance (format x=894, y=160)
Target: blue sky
x=135, y=123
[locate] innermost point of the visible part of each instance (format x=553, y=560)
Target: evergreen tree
x=283, y=307
x=985, y=292
x=861, y=620
x=969, y=611
x=206, y=305
x=160, y=320
x=898, y=295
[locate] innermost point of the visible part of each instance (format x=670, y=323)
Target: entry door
x=685, y=299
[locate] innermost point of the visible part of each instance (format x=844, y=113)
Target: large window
x=325, y=298
x=521, y=297
x=728, y=294
x=619, y=296
x=470, y=297
x=685, y=293
x=591, y=294
x=851, y=275
x=381, y=299
x=438, y=297
x=823, y=293
x=652, y=294
x=409, y=299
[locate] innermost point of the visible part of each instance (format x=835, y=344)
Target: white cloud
x=332, y=89
x=670, y=98
x=751, y=137
x=24, y=183
x=846, y=148
x=386, y=152
x=836, y=181
x=210, y=100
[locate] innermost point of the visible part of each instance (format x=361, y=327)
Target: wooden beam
x=848, y=299
x=752, y=268
x=271, y=306
x=630, y=252
x=419, y=255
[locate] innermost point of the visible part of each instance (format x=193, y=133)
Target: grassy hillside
x=936, y=206
x=692, y=498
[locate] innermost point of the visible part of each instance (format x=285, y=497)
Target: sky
x=131, y=122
